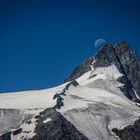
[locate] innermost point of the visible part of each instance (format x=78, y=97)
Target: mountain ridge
x=106, y=57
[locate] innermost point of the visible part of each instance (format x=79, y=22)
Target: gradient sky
x=42, y=41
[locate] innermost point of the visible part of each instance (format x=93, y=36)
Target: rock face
x=123, y=58
x=130, y=132
x=59, y=96
x=6, y=136
x=50, y=125
x=80, y=70
x=131, y=64
x=64, y=130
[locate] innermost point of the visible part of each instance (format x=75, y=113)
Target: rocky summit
x=125, y=60
x=100, y=100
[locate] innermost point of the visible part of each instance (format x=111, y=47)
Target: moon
x=99, y=43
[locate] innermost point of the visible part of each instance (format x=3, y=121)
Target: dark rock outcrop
x=106, y=57
x=18, y=131
x=80, y=70
x=71, y=83
x=6, y=136
x=59, y=103
x=62, y=93
x=58, y=128
x=131, y=64
x=59, y=100
x=131, y=132
x=58, y=96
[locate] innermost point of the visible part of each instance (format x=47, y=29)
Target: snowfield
x=94, y=107
x=40, y=99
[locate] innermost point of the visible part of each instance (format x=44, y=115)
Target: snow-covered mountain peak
x=98, y=101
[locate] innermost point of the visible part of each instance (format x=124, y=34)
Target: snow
x=25, y=100
x=98, y=105
x=47, y=120
x=99, y=73
x=81, y=96
x=94, y=112
x=41, y=99
x=27, y=131
x=136, y=94
x=85, y=79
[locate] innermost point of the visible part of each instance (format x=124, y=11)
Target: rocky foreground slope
x=98, y=101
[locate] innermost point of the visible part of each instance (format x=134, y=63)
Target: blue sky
x=41, y=41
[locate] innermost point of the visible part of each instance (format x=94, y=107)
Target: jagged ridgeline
x=123, y=57
x=98, y=101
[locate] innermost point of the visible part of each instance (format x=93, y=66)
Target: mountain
x=125, y=60
x=98, y=101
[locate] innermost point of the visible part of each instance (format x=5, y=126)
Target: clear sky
x=41, y=41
